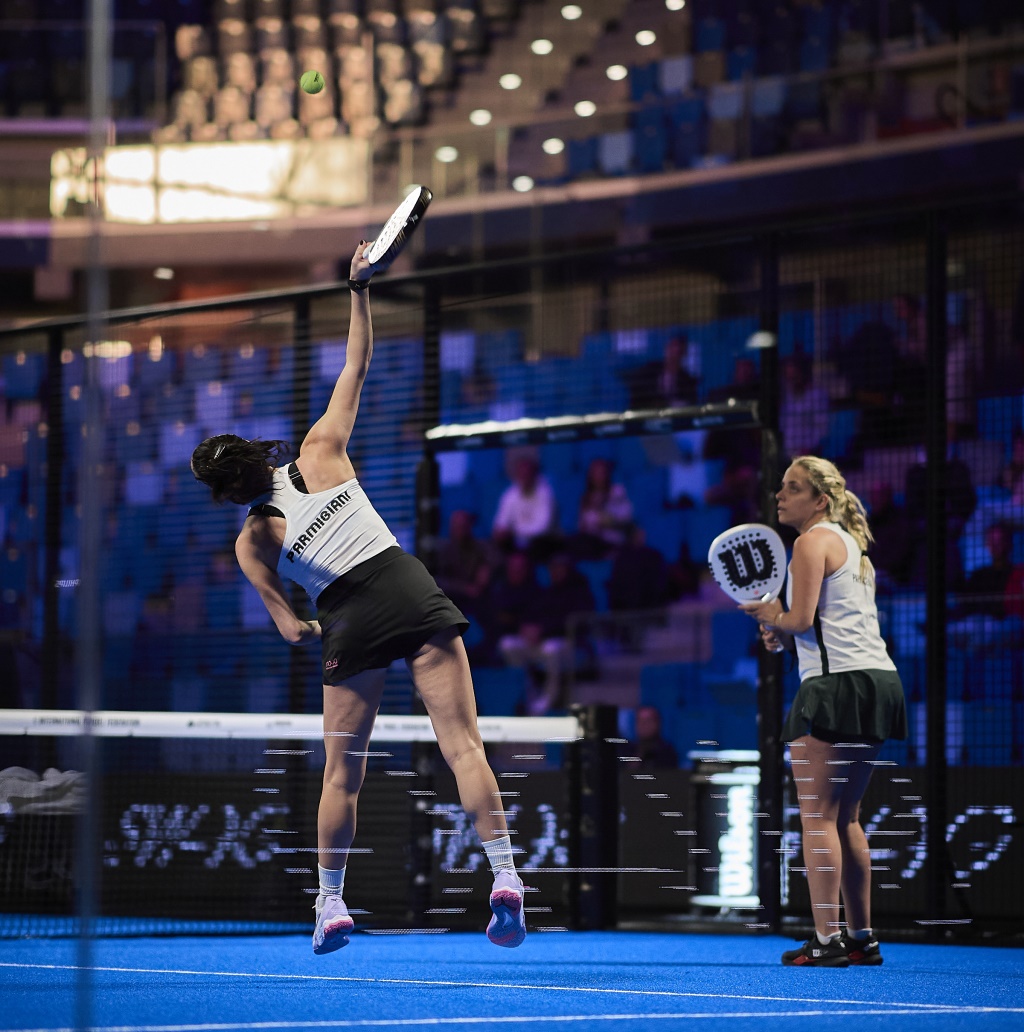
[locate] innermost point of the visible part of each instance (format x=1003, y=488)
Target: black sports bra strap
x=296, y=478
x=265, y=509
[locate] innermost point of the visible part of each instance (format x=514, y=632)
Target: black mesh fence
x=891, y=346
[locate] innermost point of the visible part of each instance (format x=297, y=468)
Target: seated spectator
x=987, y=615
x=684, y=575
x=739, y=450
x=666, y=383
x=985, y=589
x=870, y=362
x=464, y=564
x=605, y=513
x=639, y=575
x=527, y=517
x=803, y=407
x=510, y=597
x=655, y=751
x=1012, y=477
x=541, y=642
x=910, y=370
x=892, y=552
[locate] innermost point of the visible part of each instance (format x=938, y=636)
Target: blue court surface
x=603, y=980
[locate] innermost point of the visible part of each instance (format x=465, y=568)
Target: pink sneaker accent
x=508, y=925
x=332, y=925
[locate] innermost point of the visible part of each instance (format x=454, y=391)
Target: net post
x=594, y=825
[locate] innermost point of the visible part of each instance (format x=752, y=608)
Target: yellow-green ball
x=312, y=82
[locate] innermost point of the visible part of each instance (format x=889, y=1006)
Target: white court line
x=912, y=1008
x=509, y=1019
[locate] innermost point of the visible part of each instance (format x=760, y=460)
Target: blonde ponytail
x=844, y=507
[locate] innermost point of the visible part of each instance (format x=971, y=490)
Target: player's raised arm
x=333, y=429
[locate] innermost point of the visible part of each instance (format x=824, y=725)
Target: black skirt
x=852, y=706
x=384, y=609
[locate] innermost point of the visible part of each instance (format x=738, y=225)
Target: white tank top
x=844, y=634
x=327, y=533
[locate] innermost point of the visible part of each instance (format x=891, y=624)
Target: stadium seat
x=500, y=691
x=615, y=153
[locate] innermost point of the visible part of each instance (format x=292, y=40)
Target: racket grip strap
x=358, y=285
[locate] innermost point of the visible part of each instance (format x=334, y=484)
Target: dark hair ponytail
x=234, y=469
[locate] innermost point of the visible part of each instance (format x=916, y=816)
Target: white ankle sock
x=826, y=939
x=499, y=854
x=332, y=883
x=861, y=934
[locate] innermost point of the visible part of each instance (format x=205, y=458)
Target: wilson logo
x=748, y=563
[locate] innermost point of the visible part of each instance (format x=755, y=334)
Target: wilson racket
x=398, y=229
x=748, y=563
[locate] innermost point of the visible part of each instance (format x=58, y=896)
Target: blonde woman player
x=849, y=702
x=310, y=522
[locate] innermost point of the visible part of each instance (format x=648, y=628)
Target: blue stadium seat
x=689, y=130
x=741, y=62
x=675, y=75
x=988, y=734
x=23, y=374
x=732, y=635
x=815, y=55
x=703, y=525
x=672, y=687
x=582, y=156
x=597, y=572
x=650, y=139
x=615, y=153
x=709, y=35
x=999, y=417
x=843, y=427
x=643, y=82
x=500, y=691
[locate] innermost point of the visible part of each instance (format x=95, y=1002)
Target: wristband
x=358, y=285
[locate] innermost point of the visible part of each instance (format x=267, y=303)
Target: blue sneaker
x=332, y=924
x=508, y=925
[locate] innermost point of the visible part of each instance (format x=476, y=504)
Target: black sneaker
x=813, y=954
x=862, y=951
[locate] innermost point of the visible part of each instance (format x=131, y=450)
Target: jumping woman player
x=849, y=701
x=310, y=522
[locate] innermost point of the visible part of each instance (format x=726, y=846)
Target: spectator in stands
x=893, y=550
x=510, y=598
x=527, y=516
x=684, y=575
x=464, y=564
x=985, y=589
x=988, y=613
x=654, y=750
x=803, y=407
x=666, y=383
x=639, y=575
x=605, y=513
x=1012, y=477
x=870, y=363
x=745, y=385
x=542, y=642
x=740, y=450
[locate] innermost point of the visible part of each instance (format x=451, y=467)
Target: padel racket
x=748, y=562
x=398, y=229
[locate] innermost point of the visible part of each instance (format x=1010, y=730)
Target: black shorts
x=852, y=706
x=382, y=610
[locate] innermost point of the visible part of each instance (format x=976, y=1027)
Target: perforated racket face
x=399, y=227
x=748, y=562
